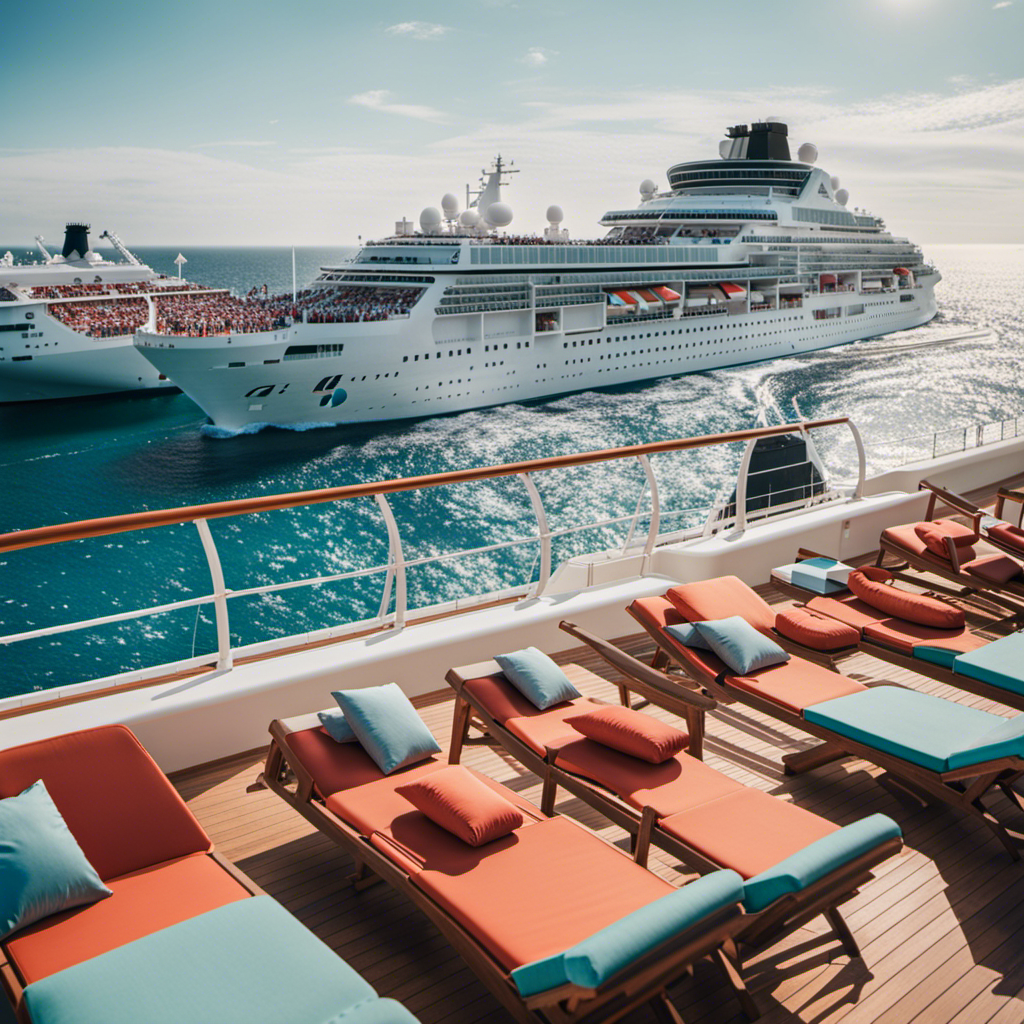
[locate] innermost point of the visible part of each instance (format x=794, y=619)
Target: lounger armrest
x=814, y=862
x=598, y=959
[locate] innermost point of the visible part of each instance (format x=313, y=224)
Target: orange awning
x=627, y=297
x=667, y=294
x=828, y=279
x=732, y=291
x=902, y=271
x=647, y=296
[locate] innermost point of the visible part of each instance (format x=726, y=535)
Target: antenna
x=490, y=184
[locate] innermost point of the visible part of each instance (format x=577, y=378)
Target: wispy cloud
x=377, y=99
x=235, y=142
x=1002, y=3
x=537, y=56
x=425, y=30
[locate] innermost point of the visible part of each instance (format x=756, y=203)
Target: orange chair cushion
x=994, y=568
x=917, y=608
x=667, y=788
x=819, y=632
x=906, y=540
x=459, y=802
x=334, y=766
x=748, y=830
x=849, y=609
x=117, y=803
x=904, y=636
x=796, y=684
x=631, y=732
x=934, y=535
x=1011, y=536
x=143, y=902
x=718, y=599
x=654, y=614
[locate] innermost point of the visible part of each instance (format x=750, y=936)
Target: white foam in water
x=211, y=430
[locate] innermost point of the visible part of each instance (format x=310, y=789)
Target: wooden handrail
x=42, y=535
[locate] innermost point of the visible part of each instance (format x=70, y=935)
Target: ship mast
x=123, y=249
x=490, y=185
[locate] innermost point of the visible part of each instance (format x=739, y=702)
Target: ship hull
x=396, y=370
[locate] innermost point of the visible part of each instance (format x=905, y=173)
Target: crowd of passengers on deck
x=103, y=319
x=85, y=291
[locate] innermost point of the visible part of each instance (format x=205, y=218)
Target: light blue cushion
x=688, y=635
x=213, y=967
x=595, y=960
x=918, y=727
x=375, y=1011
x=336, y=724
x=387, y=726
x=1004, y=740
x=999, y=663
x=742, y=647
x=943, y=656
x=537, y=677
x=814, y=862
x=42, y=868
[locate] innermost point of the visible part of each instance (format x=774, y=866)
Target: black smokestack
x=76, y=240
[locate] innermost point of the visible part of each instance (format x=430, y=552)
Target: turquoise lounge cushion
x=943, y=656
x=375, y=1011
x=918, y=727
x=814, y=862
x=1004, y=740
x=42, y=868
x=537, y=677
x=387, y=726
x=214, y=967
x=336, y=725
x=1000, y=663
x=688, y=635
x=595, y=960
x=742, y=647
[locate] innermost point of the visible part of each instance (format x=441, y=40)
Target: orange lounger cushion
x=814, y=630
x=748, y=830
x=143, y=902
x=796, y=684
x=667, y=788
x=658, y=612
x=334, y=766
x=117, y=803
x=916, y=608
x=631, y=732
x=1011, y=536
x=849, y=609
x=935, y=534
x=904, y=636
x=906, y=537
x=720, y=598
x=994, y=568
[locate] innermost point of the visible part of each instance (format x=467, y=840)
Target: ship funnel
x=76, y=241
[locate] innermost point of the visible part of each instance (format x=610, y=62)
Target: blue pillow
x=537, y=677
x=688, y=635
x=387, y=726
x=742, y=647
x=42, y=868
x=336, y=724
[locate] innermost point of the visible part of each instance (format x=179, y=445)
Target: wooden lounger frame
x=647, y=980
x=962, y=788
x=785, y=915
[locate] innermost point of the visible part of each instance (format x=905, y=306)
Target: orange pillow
x=919, y=608
x=934, y=536
x=995, y=568
x=460, y=803
x=631, y=732
x=819, y=632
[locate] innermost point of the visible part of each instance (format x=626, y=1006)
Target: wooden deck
x=941, y=926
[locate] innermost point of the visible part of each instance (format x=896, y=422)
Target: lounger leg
x=460, y=728
x=548, y=793
x=1011, y=845
x=729, y=961
x=842, y=930
x=660, y=659
x=623, y=696
x=807, y=760
x=642, y=839
x=904, y=790
x=664, y=1011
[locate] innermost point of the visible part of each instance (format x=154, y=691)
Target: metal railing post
x=543, y=531
x=396, y=558
x=862, y=461
x=655, y=527
x=741, y=486
x=220, y=599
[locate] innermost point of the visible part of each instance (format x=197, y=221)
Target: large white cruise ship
x=67, y=321
x=748, y=257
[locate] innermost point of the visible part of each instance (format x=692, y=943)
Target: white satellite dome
x=555, y=215
x=450, y=205
x=723, y=148
x=807, y=153
x=430, y=219
x=498, y=215
x=469, y=218
x=647, y=188
x=773, y=120
x=835, y=183
x=842, y=197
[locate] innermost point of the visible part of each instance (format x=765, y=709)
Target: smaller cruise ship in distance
x=67, y=321
x=747, y=257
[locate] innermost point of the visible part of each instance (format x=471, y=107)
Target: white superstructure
x=748, y=257
x=67, y=321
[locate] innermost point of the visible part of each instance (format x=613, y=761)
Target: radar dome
x=842, y=197
x=469, y=218
x=430, y=219
x=835, y=183
x=723, y=148
x=807, y=153
x=647, y=188
x=450, y=205
x=773, y=120
x=498, y=215
x=555, y=215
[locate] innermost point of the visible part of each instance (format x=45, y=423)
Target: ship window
x=405, y=359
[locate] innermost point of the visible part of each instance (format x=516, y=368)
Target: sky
x=315, y=123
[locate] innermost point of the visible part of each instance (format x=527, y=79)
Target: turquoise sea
x=66, y=461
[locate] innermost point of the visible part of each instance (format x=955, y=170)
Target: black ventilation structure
x=76, y=241
x=766, y=140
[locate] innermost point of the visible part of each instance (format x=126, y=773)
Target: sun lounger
x=929, y=747
x=997, y=530
x=683, y=805
x=559, y=924
x=183, y=937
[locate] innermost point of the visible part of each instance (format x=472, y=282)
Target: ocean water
x=62, y=462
